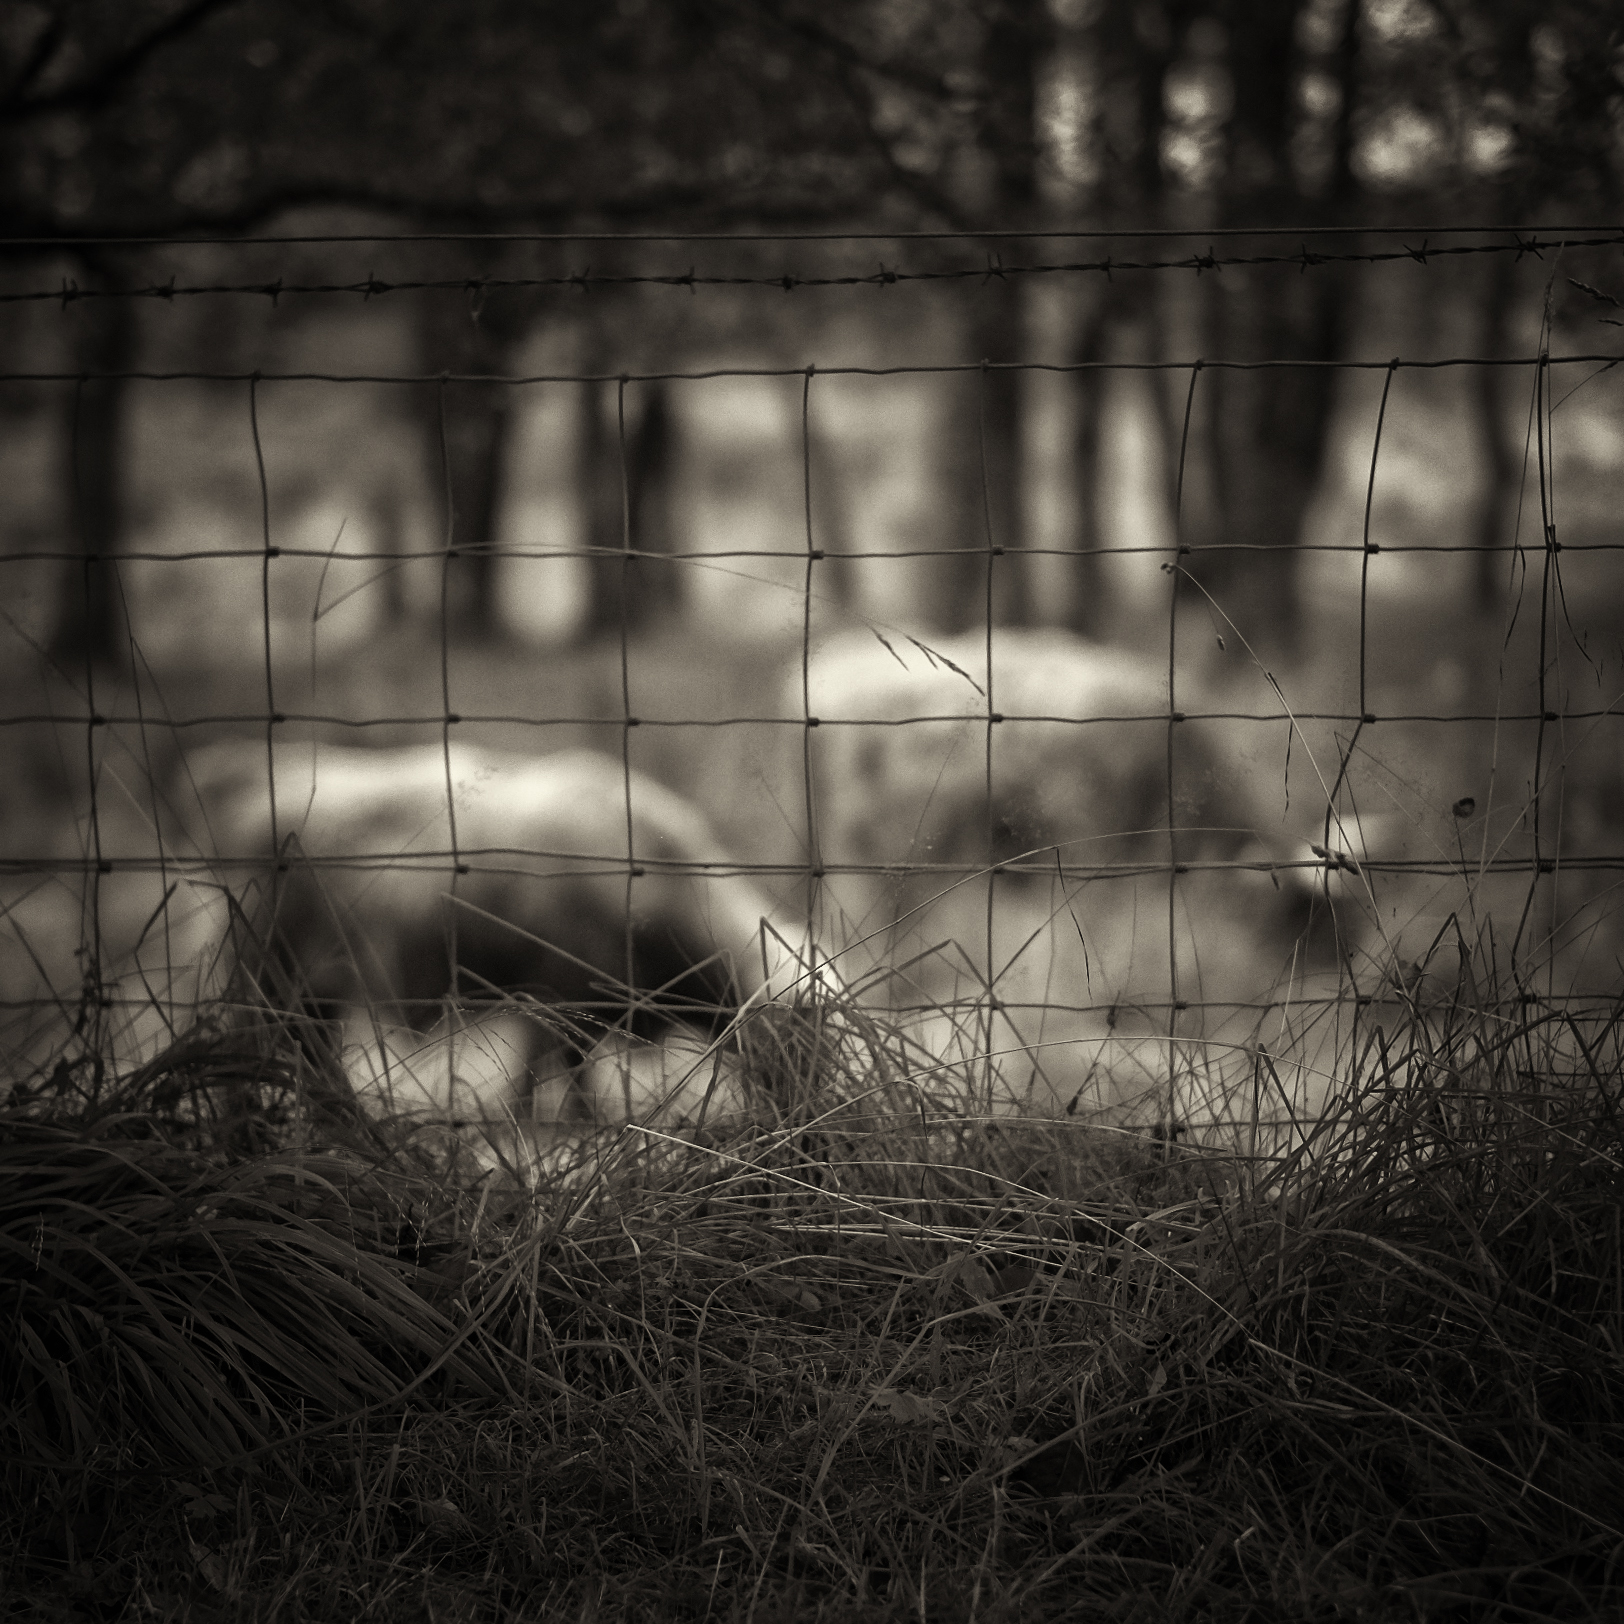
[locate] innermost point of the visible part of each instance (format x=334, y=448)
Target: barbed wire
x=585, y=280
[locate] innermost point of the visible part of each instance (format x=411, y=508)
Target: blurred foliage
x=161, y=115
x=156, y=116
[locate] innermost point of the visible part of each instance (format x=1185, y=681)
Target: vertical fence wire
x=814, y=846
x=989, y=1005
x=1335, y=858
x=627, y=719
x=1368, y=550
x=1175, y=574
x=1549, y=550
x=272, y=716
x=448, y=720
x=93, y=993
x=1517, y=581
x=168, y=1003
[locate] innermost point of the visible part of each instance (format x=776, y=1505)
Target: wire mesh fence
x=828, y=664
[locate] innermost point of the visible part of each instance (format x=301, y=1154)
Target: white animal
x=512, y=909
x=1072, y=935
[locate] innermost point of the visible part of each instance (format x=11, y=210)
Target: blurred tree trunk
x=394, y=538
x=1267, y=429
x=834, y=580
x=621, y=484
x=479, y=420
x=1018, y=37
x=90, y=610
x=1131, y=49
x=651, y=460
x=471, y=432
x=1087, y=610
x=602, y=528
x=953, y=585
x=996, y=335
x=1124, y=321
x=1487, y=404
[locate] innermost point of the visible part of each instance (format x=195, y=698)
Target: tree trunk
x=1131, y=48
x=834, y=581
x=478, y=429
x=90, y=617
x=1488, y=416
x=471, y=441
x=630, y=483
x=1020, y=35
x=1124, y=317
x=1268, y=427
x=651, y=455
x=1088, y=610
x=1268, y=431
x=999, y=520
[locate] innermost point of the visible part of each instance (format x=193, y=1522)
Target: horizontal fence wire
x=586, y=280
x=24, y=555
x=946, y=368
x=589, y=865
x=623, y=854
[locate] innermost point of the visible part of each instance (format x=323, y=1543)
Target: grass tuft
x=861, y=1352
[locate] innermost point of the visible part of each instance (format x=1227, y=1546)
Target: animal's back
x=395, y=801
x=1066, y=796
x=388, y=864
x=1078, y=755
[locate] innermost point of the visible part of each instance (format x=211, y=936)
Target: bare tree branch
x=917, y=186
x=43, y=49
x=697, y=207
x=836, y=46
x=104, y=81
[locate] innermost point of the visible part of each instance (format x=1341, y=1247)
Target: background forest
x=225, y=117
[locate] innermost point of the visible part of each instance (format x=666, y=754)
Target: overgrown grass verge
x=867, y=1356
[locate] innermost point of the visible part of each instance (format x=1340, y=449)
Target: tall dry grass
x=860, y=1351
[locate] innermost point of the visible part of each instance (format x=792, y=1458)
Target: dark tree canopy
x=152, y=117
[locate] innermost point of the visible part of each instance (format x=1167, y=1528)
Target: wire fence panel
x=1136, y=728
